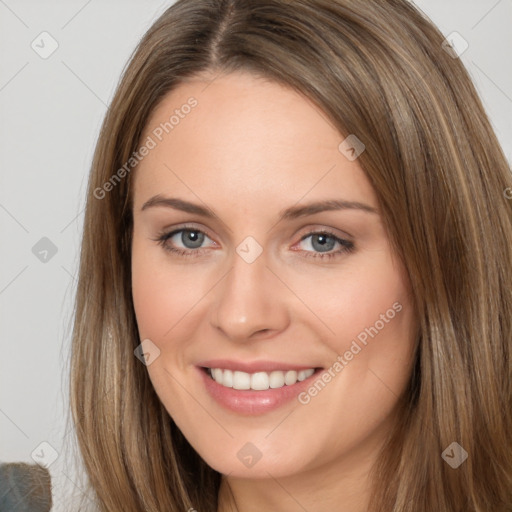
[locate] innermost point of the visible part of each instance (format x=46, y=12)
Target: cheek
x=368, y=320
x=345, y=303
x=163, y=293
x=353, y=297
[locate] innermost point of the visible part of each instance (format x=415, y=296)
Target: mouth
x=254, y=388
x=258, y=381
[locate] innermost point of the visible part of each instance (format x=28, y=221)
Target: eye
x=323, y=242
x=189, y=242
x=190, y=239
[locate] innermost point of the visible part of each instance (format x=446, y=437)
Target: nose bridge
x=249, y=299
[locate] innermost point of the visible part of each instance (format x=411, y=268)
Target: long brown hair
x=378, y=70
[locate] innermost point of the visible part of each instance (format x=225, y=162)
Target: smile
x=258, y=381
x=254, y=388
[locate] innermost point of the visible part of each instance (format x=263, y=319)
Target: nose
x=250, y=302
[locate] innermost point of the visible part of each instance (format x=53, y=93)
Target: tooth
x=276, y=379
x=241, y=380
x=259, y=381
x=290, y=377
x=227, y=379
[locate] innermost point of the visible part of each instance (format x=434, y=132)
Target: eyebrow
x=291, y=213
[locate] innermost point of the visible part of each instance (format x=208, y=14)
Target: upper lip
x=253, y=366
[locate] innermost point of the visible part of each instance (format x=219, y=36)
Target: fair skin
x=248, y=150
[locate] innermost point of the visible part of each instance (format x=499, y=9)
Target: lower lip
x=253, y=402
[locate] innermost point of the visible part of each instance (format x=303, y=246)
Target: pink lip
x=250, y=402
x=252, y=367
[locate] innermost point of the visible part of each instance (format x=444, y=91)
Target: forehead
x=239, y=136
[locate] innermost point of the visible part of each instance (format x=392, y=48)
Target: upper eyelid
x=314, y=227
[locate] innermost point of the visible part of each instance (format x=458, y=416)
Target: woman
x=295, y=280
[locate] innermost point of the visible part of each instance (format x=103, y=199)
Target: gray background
x=50, y=114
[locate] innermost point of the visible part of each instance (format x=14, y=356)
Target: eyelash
x=346, y=246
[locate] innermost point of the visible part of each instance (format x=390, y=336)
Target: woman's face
x=259, y=252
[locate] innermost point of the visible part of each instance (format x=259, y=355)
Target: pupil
x=192, y=237
x=324, y=245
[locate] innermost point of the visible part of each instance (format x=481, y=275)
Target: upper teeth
x=258, y=381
